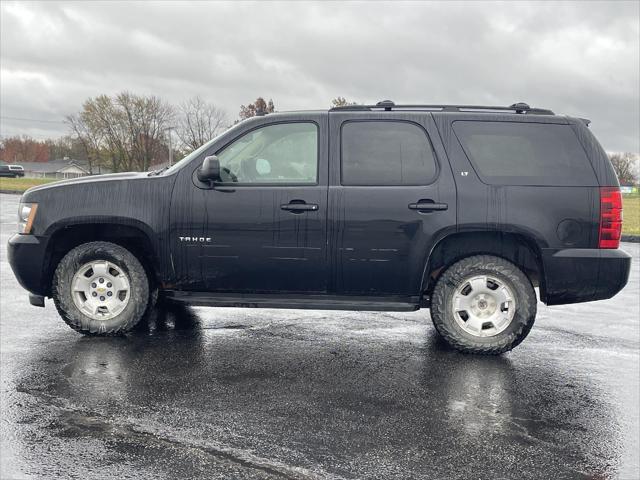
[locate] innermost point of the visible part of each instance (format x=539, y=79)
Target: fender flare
x=532, y=241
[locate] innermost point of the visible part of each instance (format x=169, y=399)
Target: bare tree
x=66, y=146
x=199, y=122
x=147, y=119
x=259, y=107
x=341, y=102
x=90, y=140
x=626, y=166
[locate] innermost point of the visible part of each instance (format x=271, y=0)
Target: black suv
x=11, y=171
x=463, y=209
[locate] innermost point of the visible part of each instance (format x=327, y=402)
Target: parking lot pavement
x=232, y=393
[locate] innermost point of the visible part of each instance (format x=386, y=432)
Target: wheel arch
x=520, y=249
x=133, y=235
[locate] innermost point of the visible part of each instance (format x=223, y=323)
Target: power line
x=31, y=119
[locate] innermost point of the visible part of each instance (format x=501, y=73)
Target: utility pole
x=170, y=149
x=170, y=129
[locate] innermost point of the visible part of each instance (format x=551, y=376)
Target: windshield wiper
x=155, y=173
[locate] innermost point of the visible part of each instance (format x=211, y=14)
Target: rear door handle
x=428, y=206
x=299, y=207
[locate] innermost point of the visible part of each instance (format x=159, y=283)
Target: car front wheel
x=483, y=304
x=100, y=288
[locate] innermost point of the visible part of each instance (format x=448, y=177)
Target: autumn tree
x=127, y=130
x=19, y=149
x=341, y=102
x=255, y=108
x=198, y=122
x=626, y=167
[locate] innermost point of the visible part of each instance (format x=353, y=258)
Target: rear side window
x=512, y=153
x=386, y=153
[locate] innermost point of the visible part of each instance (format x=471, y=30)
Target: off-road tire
x=120, y=256
x=442, y=314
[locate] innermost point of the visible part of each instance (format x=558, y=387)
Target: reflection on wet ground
x=326, y=395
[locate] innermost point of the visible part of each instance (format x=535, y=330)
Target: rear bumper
x=26, y=255
x=583, y=275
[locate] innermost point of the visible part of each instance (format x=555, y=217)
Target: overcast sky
x=579, y=59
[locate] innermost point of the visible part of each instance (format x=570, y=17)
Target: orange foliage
x=23, y=149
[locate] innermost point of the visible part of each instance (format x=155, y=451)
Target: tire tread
x=74, y=257
x=525, y=314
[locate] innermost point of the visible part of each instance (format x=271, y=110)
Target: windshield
x=186, y=159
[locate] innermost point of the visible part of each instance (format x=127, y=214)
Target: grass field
x=21, y=184
x=631, y=214
x=631, y=203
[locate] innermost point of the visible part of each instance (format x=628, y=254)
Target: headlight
x=26, y=216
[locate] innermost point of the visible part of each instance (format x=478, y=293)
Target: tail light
x=610, y=217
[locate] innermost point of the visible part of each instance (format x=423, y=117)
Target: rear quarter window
x=519, y=153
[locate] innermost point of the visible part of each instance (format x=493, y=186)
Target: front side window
x=279, y=153
x=386, y=153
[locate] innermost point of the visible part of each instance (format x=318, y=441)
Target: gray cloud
x=580, y=59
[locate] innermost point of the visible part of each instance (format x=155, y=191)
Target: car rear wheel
x=100, y=288
x=483, y=304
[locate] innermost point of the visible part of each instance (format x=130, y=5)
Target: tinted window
x=525, y=153
x=281, y=153
x=386, y=153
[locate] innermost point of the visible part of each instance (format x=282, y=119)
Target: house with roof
x=65, y=168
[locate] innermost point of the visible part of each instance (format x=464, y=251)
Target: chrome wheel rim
x=483, y=306
x=100, y=290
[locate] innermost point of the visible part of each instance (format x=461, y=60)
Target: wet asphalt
x=234, y=393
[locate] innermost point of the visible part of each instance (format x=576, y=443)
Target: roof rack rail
x=388, y=105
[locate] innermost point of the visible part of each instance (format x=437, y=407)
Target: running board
x=309, y=302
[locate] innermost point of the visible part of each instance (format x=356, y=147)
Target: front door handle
x=299, y=207
x=428, y=205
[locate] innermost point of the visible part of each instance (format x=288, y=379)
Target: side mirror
x=210, y=170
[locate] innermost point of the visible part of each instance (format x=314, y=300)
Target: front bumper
x=27, y=259
x=583, y=275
